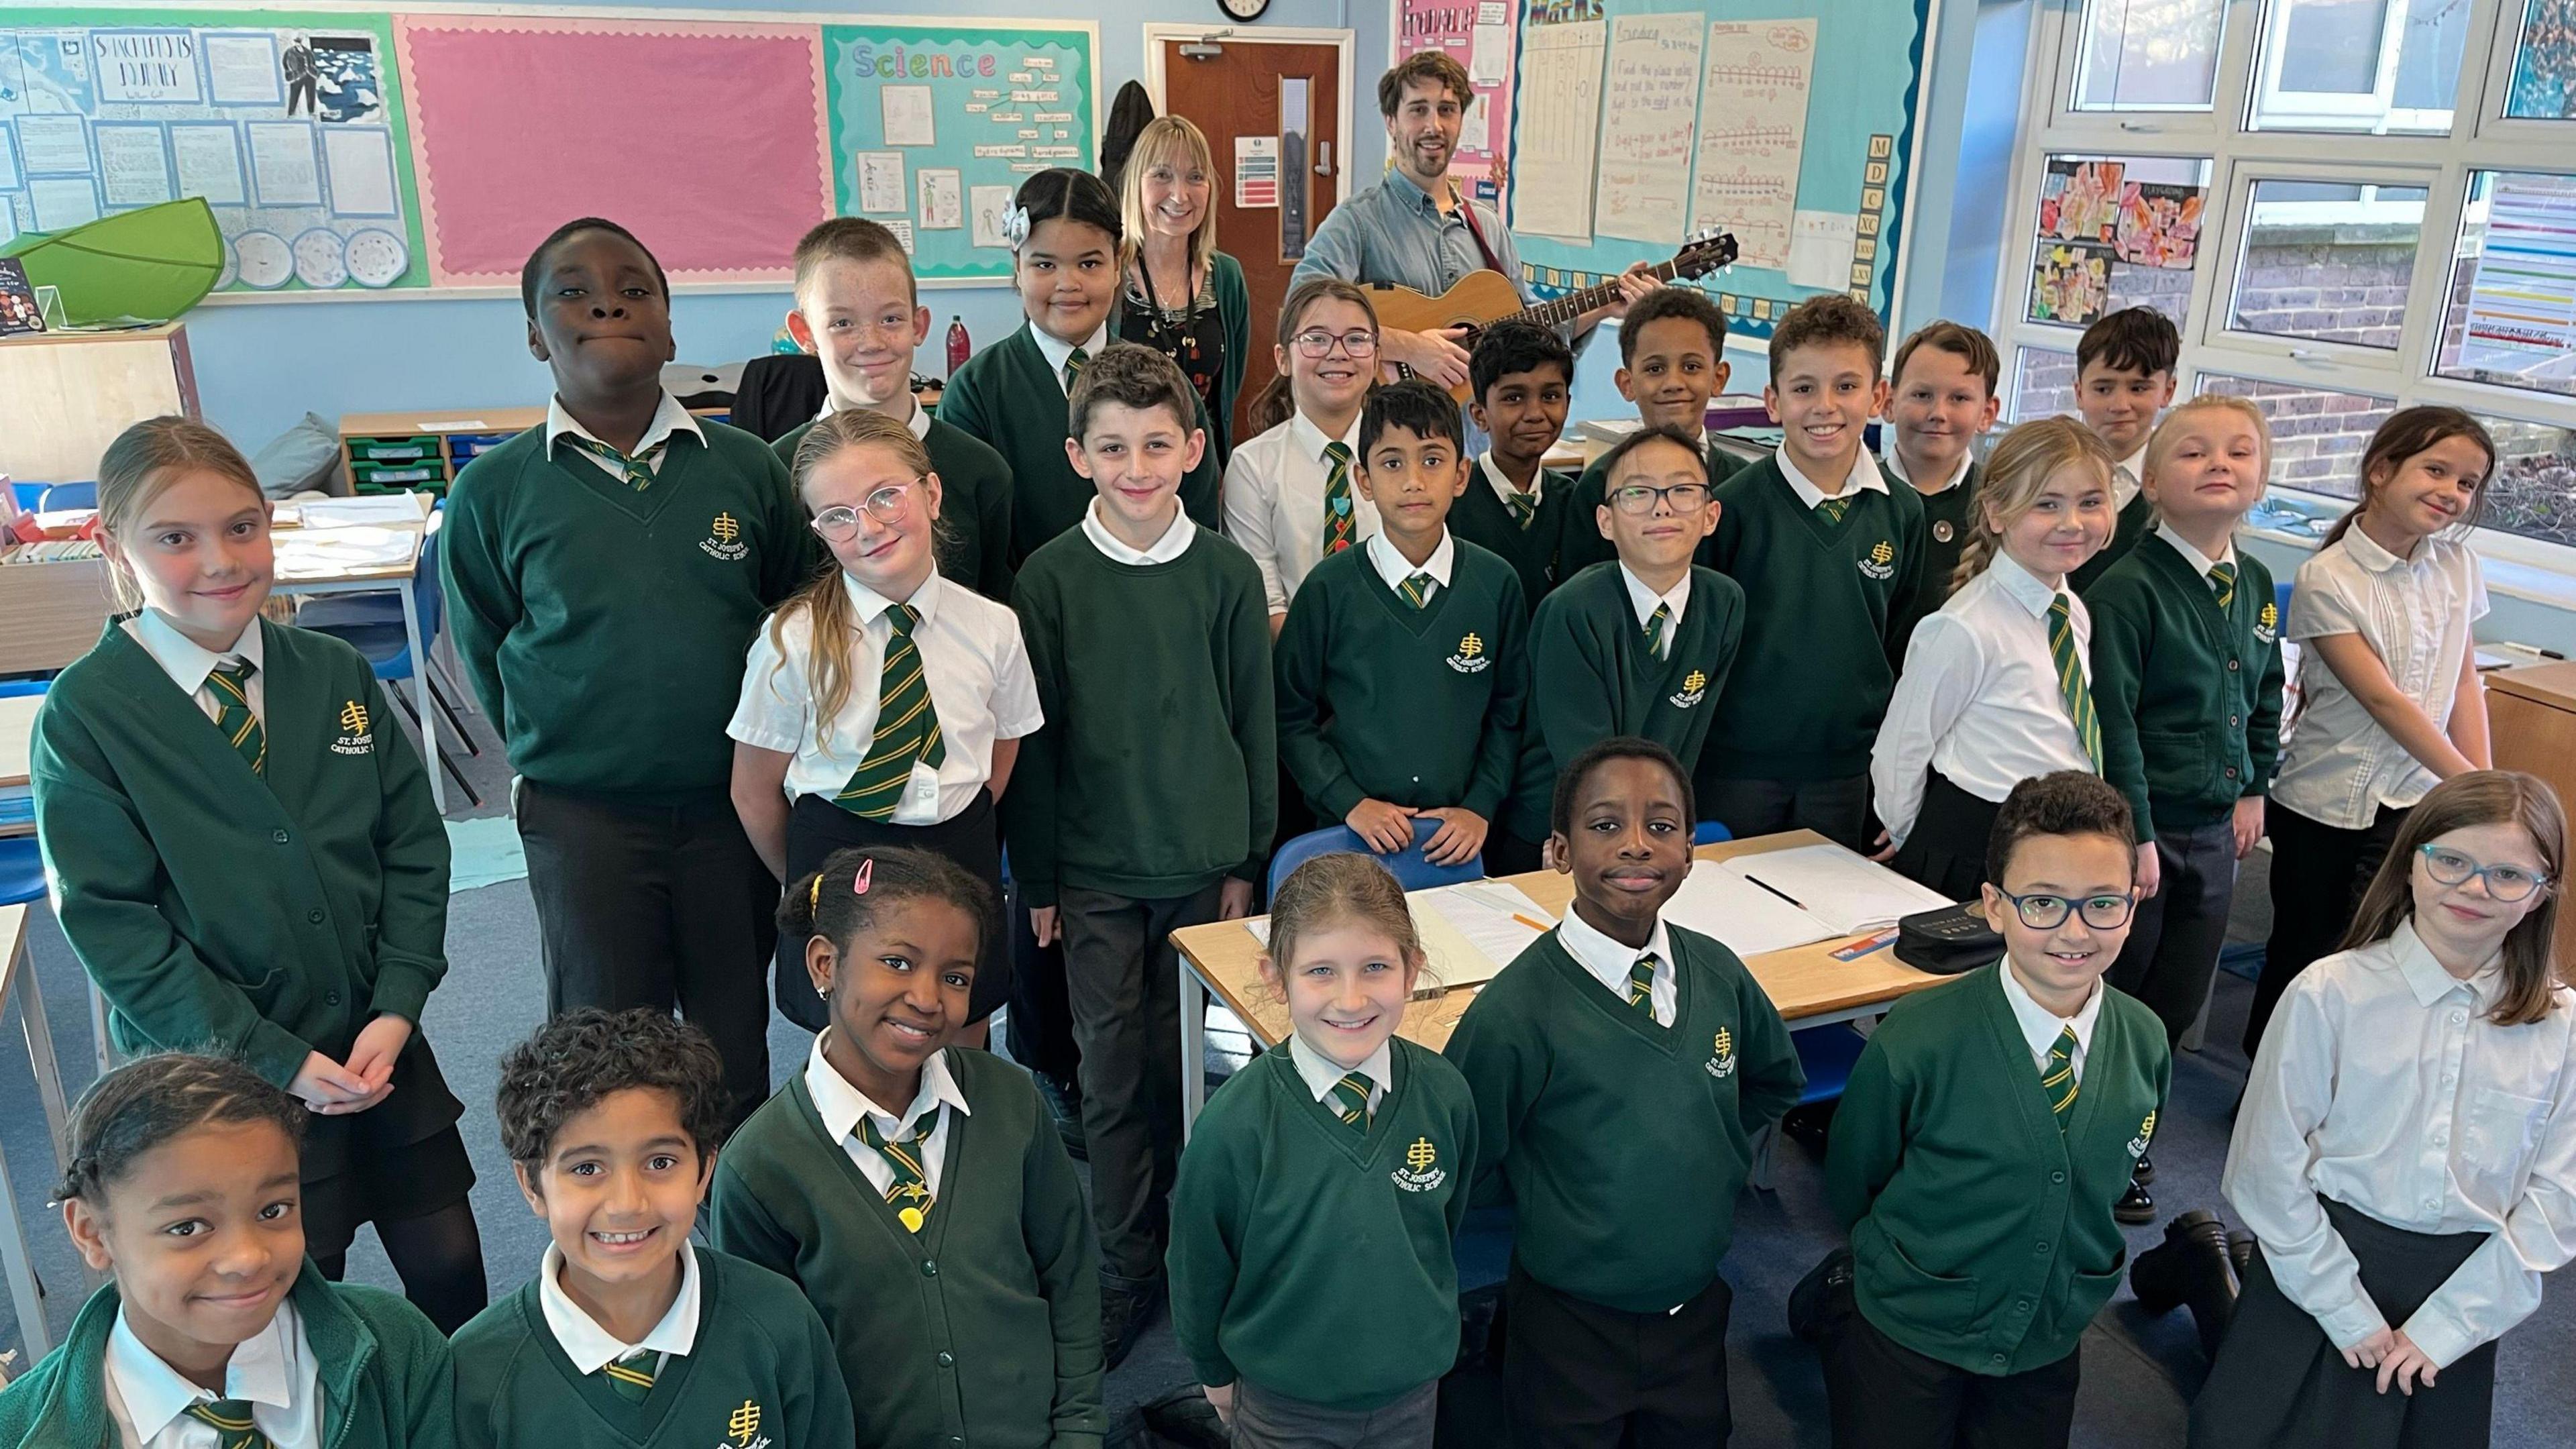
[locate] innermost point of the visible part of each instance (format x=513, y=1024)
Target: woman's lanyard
x=1170, y=340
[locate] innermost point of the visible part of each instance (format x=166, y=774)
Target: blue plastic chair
x=22, y=873
x=388, y=649
x=23, y=688
x=1409, y=868
x=29, y=496
x=1710, y=832
x=67, y=495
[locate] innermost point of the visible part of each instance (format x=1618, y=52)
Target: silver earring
x=824, y=992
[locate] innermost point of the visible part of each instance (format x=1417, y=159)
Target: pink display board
x=1479, y=35
x=708, y=141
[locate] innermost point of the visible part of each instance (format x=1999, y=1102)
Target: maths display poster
x=291, y=125
x=1479, y=35
x=922, y=116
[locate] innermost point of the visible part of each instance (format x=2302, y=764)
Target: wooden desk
x=1806, y=983
x=303, y=567
x=18, y=983
x=2531, y=719
x=54, y=612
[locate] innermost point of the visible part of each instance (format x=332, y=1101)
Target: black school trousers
x=1884, y=1395
x=663, y=905
x=2318, y=874
x=2176, y=934
x=1582, y=1376
x=1836, y=809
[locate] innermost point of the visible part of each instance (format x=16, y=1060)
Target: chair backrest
x=24, y=688
x=1710, y=832
x=428, y=594
x=1407, y=865
x=67, y=495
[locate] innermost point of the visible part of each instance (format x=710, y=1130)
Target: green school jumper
x=983, y=1329
x=1481, y=518
x=1823, y=602
x=268, y=915
x=1622, y=1143
x=973, y=542
x=1312, y=1258
x=1591, y=677
x=1007, y=396
x=761, y=1366
x=2125, y=533
x=1981, y=1234
x=2190, y=694
x=382, y=1367
x=1158, y=770
x=1379, y=700
x=1584, y=546
x=1945, y=533
x=605, y=628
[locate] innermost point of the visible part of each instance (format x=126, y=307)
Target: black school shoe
x=1064, y=1103
x=1185, y=1417
x=1126, y=1311
x=2135, y=1208
x=2190, y=1268
x=2145, y=1172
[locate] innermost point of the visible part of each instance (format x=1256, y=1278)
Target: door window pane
x=2149, y=55
x=2383, y=66
x=2533, y=492
x=2043, y=384
x=2318, y=433
x=2327, y=261
x=2115, y=232
x=2511, y=314
x=2544, y=63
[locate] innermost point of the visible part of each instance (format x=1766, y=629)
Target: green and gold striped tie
x=1417, y=588
x=2059, y=1078
x=636, y=470
x=909, y=1193
x=1641, y=983
x=1341, y=526
x=2222, y=582
x=1834, y=508
x=231, y=1421
x=1073, y=362
x=907, y=727
x=2070, y=679
x=632, y=1375
x=1658, y=624
x=1524, y=507
x=1351, y=1099
x=230, y=682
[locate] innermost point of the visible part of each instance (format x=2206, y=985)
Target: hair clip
x=1015, y=226
x=866, y=877
x=814, y=894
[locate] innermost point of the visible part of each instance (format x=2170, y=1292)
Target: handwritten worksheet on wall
x=1650, y=101
x=1559, y=127
x=1753, y=133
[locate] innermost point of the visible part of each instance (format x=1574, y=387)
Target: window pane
x=2115, y=232
x=2544, y=63
x=2511, y=318
x=2329, y=262
x=2149, y=55
x=2318, y=434
x=2383, y=66
x=2533, y=492
x=2043, y=384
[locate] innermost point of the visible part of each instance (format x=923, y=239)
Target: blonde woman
x=1179, y=294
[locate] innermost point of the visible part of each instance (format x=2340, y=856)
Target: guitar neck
x=1562, y=310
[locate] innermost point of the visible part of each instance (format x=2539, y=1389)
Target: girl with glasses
x=883, y=705
x=2406, y=1151
x=1292, y=496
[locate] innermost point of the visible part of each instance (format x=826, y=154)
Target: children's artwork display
x=2105, y=229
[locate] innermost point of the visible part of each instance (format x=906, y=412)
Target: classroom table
x=1808, y=985
x=17, y=726
x=304, y=568
x=18, y=983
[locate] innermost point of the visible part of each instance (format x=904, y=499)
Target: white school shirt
x=2201, y=563
x=972, y=657
x=1322, y=1074
x=1394, y=568
x=1174, y=542
x=1642, y=601
x=591, y=1347
x=273, y=1370
x=668, y=418
x=1893, y=466
x=841, y=1105
x=2382, y=1084
x=1274, y=502
x=1978, y=698
x=2127, y=476
x=1864, y=478
x=2040, y=1027
x=1608, y=961
x=1504, y=488
x=919, y=422
x=1056, y=351
x=188, y=662
x=2339, y=766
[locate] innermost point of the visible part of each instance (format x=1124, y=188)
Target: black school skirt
x=398, y=1160
x=1946, y=850
x=816, y=827
x=2280, y=1383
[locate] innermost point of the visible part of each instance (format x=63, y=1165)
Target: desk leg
x=1193, y=1048
x=25, y=1294
x=40, y=1058
x=421, y=700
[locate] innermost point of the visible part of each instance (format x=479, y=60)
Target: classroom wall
x=261, y=366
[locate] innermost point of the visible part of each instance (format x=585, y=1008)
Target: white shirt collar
x=591, y=1347
x=1055, y=351
x=1644, y=600
x=668, y=418
x=841, y=1105
x=919, y=422
x=1606, y=959
x=1310, y=439
x=188, y=662
x=2200, y=563
x=1864, y=477
x=1894, y=466
x=1392, y=567
x=2126, y=475
x=1174, y=542
x=1504, y=488
x=2370, y=554
x=2021, y=585
x=2039, y=1025
x=155, y=1394
x=869, y=603
x=2426, y=977
x=1321, y=1073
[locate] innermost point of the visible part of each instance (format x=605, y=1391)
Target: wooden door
x=2531, y=720
x=1286, y=101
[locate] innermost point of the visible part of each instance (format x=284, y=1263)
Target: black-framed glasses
x=1316, y=343
x=1639, y=498
x=2454, y=868
x=2047, y=912
x=886, y=505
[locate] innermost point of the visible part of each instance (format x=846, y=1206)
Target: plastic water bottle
x=959, y=348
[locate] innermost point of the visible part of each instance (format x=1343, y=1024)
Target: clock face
x=321, y=259
x=1243, y=9
x=263, y=259
x=377, y=258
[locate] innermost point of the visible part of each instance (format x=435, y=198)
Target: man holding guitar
x=1416, y=229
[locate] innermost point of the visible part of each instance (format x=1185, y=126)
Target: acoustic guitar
x=1485, y=297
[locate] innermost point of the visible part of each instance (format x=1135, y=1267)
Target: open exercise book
x=1784, y=898
x=1469, y=931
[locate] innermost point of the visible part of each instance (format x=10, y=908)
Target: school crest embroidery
x=724, y=539
x=742, y=1428
x=1421, y=1171
x=1721, y=1057
x=2146, y=1134
x=1942, y=532
x=1879, y=562
x=1694, y=689
x=1470, y=656
x=354, y=737
x=2267, y=624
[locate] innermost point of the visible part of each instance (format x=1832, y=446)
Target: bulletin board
x=352, y=149
x=1793, y=124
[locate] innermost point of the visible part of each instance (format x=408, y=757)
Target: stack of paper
x=1843, y=889
x=1470, y=932
x=1718, y=901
